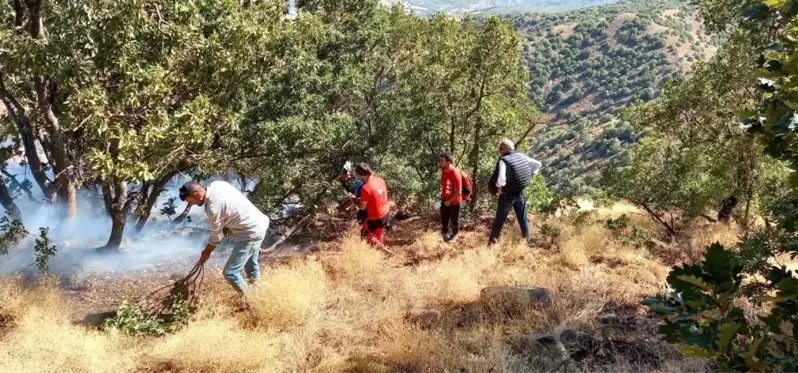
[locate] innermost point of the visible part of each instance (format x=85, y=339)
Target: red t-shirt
x=451, y=179
x=375, y=194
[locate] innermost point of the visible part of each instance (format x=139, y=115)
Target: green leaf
x=693, y=351
x=727, y=331
x=695, y=281
x=753, y=350
x=775, y=4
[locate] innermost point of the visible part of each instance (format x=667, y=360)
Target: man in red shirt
x=374, y=199
x=451, y=197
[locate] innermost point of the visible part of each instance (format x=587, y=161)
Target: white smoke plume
x=77, y=243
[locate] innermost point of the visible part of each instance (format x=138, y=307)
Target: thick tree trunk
x=157, y=188
x=116, y=205
x=117, y=232
x=68, y=200
x=66, y=192
x=8, y=202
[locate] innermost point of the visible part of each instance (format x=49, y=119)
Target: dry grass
x=344, y=311
x=44, y=340
x=289, y=296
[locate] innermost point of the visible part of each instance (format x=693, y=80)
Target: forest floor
x=344, y=307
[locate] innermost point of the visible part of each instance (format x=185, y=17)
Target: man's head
x=193, y=193
x=363, y=171
x=445, y=160
x=506, y=146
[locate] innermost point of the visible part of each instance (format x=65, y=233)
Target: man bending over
x=229, y=210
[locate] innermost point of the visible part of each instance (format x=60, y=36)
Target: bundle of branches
x=173, y=302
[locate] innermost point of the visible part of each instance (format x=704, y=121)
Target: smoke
x=160, y=243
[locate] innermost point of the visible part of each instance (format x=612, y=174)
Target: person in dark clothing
x=352, y=185
x=510, y=178
x=451, y=197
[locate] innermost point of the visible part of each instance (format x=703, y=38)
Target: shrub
x=12, y=231
x=130, y=319
x=44, y=251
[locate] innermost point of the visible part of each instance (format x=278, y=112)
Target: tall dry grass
x=344, y=311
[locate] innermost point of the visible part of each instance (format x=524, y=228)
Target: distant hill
x=456, y=7
x=588, y=65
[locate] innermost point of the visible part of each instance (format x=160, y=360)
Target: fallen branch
x=160, y=303
x=287, y=234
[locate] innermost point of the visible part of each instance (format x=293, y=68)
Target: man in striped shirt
x=229, y=210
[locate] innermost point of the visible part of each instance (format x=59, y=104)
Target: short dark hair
x=188, y=188
x=363, y=169
x=447, y=156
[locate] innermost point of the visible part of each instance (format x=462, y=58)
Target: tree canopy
x=124, y=95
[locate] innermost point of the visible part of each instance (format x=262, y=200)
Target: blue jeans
x=516, y=201
x=245, y=254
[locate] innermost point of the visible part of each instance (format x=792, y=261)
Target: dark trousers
x=450, y=217
x=516, y=201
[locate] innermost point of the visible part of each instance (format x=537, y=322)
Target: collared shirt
x=502, y=180
x=227, y=208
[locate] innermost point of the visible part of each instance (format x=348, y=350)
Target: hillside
x=456, y=7
x=586, y=66
x=434, y=307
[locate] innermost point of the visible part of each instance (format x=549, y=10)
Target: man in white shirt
x=230, y=211
x=512, y=175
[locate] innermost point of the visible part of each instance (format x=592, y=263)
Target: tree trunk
x=68, y=199
x=475, y=150
x=8, y=202
x=727, y=207
x=64, y=180
x=29, y=17
x=144, y=209
x=32, y=157
x=115, y=204
x=117, y=232
x=157, y=188
x=182, y=215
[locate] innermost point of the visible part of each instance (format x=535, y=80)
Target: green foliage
x=550, y=234
x=700, y=315
x=43, y=250
x=585, y=67
x=626, y=233
x=691, y=160
x=582, y=218
x=12, y=232
x=396, y=90
x=618, y=224
x=538, y=196
x=131, y=320
x=701, y=312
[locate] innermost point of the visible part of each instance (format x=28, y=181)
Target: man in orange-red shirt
x=451, y=197
x=374, y=199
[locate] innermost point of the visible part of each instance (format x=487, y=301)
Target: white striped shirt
x=227, y=208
